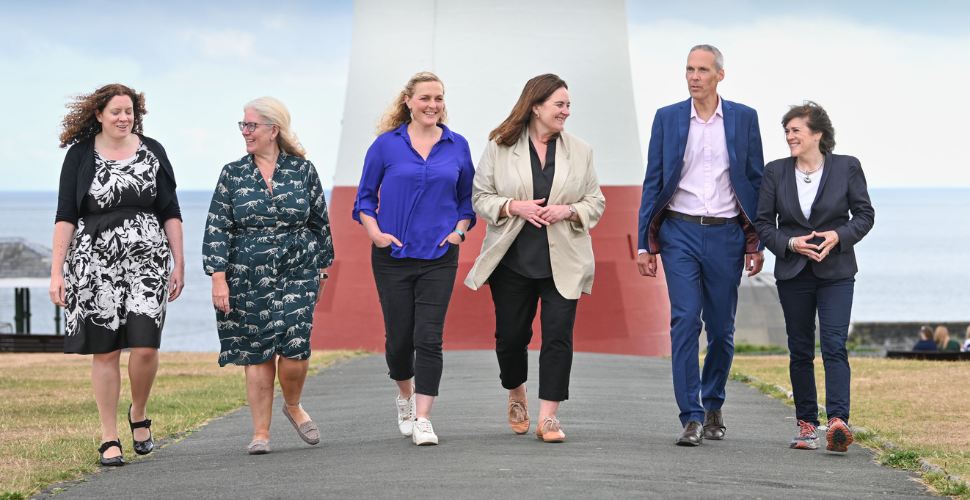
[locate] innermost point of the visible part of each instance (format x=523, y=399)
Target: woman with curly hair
x=117, y=253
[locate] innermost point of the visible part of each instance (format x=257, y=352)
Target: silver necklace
x=808, y=179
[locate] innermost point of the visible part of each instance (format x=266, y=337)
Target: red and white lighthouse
x=485, y=52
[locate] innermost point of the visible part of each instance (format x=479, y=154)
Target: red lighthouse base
x=626, y=314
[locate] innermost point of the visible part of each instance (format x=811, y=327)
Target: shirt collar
x=446, y=133
x=717, y=112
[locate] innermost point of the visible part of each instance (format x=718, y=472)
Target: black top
x=77, y=174
x=529, y=253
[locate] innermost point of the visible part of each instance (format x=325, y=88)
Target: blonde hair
x=398, y=113
x=942, y=336
x=274, y=112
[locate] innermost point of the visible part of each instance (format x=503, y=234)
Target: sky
x=890, y=73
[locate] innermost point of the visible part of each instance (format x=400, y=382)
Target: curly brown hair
x=81, y=123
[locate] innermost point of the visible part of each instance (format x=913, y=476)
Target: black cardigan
x=77, y=174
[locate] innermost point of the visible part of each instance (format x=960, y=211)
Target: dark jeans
x=801, y=297
x=414, y=296
x=516, y=299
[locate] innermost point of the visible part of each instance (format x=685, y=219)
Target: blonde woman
x=943, y=340
x=414, y=200
x=267, y=247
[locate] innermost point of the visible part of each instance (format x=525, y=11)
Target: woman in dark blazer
x=813, y=208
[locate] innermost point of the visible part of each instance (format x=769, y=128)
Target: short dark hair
x=817, y=120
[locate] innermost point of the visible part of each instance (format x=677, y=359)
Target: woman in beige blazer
x=537, y=190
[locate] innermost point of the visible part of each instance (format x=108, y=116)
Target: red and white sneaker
x=807, y=438
x=838, y=436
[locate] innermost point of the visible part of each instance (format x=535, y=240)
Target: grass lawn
x=922, y=406
x=49, y=425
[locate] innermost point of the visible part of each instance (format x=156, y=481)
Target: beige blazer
x=505, y=173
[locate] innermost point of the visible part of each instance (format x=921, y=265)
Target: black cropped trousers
x=414, y=296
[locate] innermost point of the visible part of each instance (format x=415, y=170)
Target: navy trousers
x=703, y=266
x=800, y=298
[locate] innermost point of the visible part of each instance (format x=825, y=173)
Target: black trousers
x=414, y=296
x=516, y=298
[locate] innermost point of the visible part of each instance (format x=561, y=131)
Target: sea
x=912, y=265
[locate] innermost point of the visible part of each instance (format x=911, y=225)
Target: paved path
x=620, y=427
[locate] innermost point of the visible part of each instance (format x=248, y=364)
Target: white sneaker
x=423, y=433
x=405, y=414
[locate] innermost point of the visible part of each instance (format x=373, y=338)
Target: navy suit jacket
x=842, y=191
x=665, y=162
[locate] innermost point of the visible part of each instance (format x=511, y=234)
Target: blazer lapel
x=821, y=182
x=683, y=128
x=794, y=206
x=729, y=134
x=562, y=170
x=523, y=163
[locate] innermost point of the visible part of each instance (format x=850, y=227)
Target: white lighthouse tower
x=485, y=52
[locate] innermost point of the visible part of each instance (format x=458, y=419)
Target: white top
x=807, y=190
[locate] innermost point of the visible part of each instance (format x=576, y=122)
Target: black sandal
x=141, y=447
x=113, y=461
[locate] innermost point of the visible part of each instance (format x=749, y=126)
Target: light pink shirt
x=705, y=181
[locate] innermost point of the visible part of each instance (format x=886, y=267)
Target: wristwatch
x=572, y=211
x=324, y=275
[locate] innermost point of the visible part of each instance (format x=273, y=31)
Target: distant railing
x=25, y=342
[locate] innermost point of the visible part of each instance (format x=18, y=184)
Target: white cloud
x=890, y=94
x=222, y=44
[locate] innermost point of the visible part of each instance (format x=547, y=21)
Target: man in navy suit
x=700, y=196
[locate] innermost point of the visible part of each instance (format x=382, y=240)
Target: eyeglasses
x=251, y=126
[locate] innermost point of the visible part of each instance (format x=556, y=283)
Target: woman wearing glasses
x=267, y=247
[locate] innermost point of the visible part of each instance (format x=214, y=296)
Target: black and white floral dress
x=119, y=263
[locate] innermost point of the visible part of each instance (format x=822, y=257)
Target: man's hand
x=753, y=262
x=647, y=264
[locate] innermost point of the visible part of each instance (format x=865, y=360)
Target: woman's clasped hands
x=532, y=211
x=816, y=252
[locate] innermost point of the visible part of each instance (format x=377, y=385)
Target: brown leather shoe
x=519, y=415
x=550, y=431
x=692, y=434
x=714, y=425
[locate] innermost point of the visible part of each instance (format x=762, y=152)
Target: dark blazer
x=665, y=162
x=841, y=192
x=77, y=174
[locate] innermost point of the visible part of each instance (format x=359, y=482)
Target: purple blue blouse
x=417, y=201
